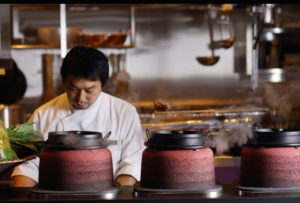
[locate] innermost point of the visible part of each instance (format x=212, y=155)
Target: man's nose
x=81, y=96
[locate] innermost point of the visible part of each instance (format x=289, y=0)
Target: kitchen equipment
x=116, y=39
x=176, y=162
x=12, y=82
x=269, y=163
x=224, y=17
x=107, y=39
x=228, y=43
x=75, y=163
x=7, y=165
x=118, y=83
x=11, y=115
x=51, y=35
x=48, y=35
x=232, y=125
x=209, y=60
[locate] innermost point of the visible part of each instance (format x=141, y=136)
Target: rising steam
x=234, y=135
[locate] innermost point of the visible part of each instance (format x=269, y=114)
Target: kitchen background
x=157, y=68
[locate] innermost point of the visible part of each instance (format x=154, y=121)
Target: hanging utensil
x=209, y=60
x=224, y=18
x=122, y=77
x=227, y=43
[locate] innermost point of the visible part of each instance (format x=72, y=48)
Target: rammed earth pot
x=75, y=161
x=177, y=159
x=271, y=159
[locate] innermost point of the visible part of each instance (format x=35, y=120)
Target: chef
x=84, y=106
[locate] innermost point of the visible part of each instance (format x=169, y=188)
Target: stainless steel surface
x=125, y=195
x=63, y=30
x=11, y=114
x=132, y=22
x=140, y=191
x=275, y=75
x=263, y=191
x=227, y=115
x=37, y=193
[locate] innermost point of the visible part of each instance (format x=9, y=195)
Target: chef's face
x=82, y=93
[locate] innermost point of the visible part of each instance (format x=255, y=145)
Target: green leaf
x=9, y=154
x=24, y=140
x=23, y=132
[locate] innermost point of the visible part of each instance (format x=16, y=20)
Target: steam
x=284, y=98
x=120, y=83
x=219, y=135
x=233, y=135
x=70, y=140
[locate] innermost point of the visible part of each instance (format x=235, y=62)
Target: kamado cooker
x=75, y=161
x=271, y=162
x=176, y=161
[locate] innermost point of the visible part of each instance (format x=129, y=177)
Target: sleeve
x=132, y=147
x=29, y=168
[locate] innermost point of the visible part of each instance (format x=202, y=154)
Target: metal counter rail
x=125, y=195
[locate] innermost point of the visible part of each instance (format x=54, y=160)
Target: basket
x=6, y=165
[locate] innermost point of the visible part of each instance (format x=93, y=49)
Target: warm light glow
x=233, y=120
x=276, y=78
x=269, y=36
x=277, y=30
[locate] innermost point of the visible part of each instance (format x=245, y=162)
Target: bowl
x=6, y=165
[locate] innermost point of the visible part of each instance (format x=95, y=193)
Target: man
x=84, y=106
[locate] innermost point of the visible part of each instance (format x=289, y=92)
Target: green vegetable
x=23, y=132
x=25, y=141
x=9, y=154
x=6, y=153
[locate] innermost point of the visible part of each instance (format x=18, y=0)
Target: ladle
x=224, y=43
x=209, y=60
x=227, y=43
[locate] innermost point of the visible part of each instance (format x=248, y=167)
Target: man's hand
x=23, y=181
x=126, y=180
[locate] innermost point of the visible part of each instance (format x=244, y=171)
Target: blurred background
x=181, y=65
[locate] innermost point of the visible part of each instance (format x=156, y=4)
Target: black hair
x=86, y=62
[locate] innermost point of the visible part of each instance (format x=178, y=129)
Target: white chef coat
x=107, y=113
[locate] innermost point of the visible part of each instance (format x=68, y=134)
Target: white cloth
x=108, y=113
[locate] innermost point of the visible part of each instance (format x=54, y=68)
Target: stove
x=140, y=191
x=264, y=191
x=107, y=194
x=269, y=164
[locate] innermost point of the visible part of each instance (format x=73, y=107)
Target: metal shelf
x=44, y=46
x=63, y=9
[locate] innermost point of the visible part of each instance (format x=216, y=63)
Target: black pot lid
x=174, y=139
x=75, y=140
x=276, y=137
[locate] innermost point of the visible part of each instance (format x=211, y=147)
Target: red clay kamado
x=177, y=160
x=272, y=160
x=75, y=161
